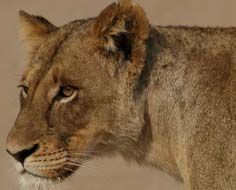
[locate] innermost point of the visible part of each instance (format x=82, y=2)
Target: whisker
x=77, y=153
x=74, y=164
x=77, y=163
x=87, y=151
x=74, y=159
x=68, y=169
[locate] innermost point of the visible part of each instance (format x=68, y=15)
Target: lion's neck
x=155, y=144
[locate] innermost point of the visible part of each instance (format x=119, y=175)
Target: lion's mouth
x=54, y=166
x=51, y=166
x=45, y=173
x=56, y=175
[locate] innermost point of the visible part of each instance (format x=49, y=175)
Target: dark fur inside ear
x=122, y=27
x=123, y=43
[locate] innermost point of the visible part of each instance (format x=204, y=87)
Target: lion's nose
x=23, y=154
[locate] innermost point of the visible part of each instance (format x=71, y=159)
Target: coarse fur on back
x=162, y=96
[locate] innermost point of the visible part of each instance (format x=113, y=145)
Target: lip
x=58, y=178
x=23, y=172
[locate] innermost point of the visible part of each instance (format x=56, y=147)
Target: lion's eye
x=67, y=91
x=24, y=90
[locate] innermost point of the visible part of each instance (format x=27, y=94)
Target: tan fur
x=161, y=96
x=34, y=30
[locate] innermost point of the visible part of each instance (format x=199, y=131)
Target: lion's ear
x=34, y=30
x=122, y=26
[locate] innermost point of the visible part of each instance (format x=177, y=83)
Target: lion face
x=73, y=90
x=65, y=93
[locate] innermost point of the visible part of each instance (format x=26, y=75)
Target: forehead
x=63, y=49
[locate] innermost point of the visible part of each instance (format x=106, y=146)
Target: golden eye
x=67, y=94
x=67, y=91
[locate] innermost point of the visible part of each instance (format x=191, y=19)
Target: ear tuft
x=34, y=30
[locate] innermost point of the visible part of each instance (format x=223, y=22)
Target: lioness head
x=77, y=90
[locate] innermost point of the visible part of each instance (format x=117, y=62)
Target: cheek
x=73, y=115
x=67, y=119
x=81, y=140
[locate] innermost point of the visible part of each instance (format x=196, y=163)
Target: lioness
x=163, y=97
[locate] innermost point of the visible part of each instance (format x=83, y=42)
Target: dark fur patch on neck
x=154, y=44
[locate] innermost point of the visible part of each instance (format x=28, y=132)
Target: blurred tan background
x=105, y=174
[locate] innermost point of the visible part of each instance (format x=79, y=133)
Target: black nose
x=22, y=155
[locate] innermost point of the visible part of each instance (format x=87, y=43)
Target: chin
x=31, y=182
x=28, y=181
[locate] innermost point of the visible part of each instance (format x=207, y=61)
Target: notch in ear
x=122, y=26
x=34, y=30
